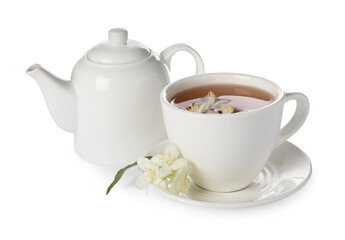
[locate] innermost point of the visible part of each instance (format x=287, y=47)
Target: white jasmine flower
x=168, y=171
x=211, y=98
x=171, y=151
x=180, y=163
x=208, y=104
x=199, y=107
x=220, y=102
x=204, y=107
x=227, y=109
x=165, y=171
x=181, y=181
x=150, y=174
x=170, y=154
x=158, y=159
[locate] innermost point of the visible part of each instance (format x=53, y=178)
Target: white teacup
x=229, y=150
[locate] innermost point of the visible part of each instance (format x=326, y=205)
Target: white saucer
x=287, y=171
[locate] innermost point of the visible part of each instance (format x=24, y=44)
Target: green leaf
x=121, y=172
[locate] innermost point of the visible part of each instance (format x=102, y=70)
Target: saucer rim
x=244, y=204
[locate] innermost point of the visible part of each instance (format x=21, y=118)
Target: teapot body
x=112, y=102
x=118, y=109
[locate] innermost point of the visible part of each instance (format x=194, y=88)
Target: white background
x=48, y=192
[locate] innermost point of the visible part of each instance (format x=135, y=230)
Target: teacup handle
x=297, y=120
x=170, y=51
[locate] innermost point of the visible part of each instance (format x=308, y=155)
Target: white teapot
x=112, y=102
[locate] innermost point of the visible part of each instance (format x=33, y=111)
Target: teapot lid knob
x=118, y=36
x=118, y=49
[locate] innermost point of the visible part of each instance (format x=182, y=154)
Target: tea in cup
x=227, y=125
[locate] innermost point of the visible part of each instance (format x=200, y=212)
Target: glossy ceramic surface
x=112, y=102
x=229, y=150
x=287, y=171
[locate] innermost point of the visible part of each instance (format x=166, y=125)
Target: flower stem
x=120, y=173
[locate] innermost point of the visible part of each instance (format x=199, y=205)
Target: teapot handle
x=170, y=51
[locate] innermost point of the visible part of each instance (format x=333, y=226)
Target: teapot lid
x=118, y=49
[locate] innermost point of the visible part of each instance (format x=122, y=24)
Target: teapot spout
x=59, y=95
